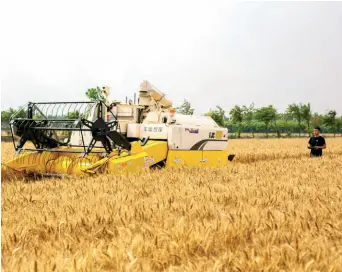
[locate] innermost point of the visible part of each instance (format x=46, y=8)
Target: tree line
x=297, y=119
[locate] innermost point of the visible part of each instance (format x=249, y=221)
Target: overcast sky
x=209, y=52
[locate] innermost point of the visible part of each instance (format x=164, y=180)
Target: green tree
x=95, y=94
x=217, y=115
x=317, y=119
x=296, y=111
x=275, y=123
x=330, y=121
x=267, y=115
x=73, y=115
x=248, y=115
x=339, y=124
x=236, y=114
x=307, y=115
x=6, y=114
x=185, y=108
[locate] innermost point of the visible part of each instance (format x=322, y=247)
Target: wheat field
x=272, y=209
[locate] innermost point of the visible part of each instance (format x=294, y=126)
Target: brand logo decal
x=177, y=160
x=216, y=135
x=153, y=129
x=192, y=130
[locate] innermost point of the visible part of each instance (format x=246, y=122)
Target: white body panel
x=197, y=138
x=153, y=117
x=133, y=130
x=194, y=120
x=154, y=131
x=125, y=114
x=215, y=145
x=181, y=137
x=186, y=132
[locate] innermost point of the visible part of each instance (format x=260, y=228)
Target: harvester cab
x=102, y=136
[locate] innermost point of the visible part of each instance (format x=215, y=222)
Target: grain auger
x=85, y=138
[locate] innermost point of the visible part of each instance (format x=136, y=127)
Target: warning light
x=172, y=111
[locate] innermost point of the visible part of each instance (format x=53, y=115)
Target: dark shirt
x=316, y=141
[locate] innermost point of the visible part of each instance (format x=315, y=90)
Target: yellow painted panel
x=129, y=163
x=71, y=163
x=215, y=158
x=151, y=153
x=197, y=158
x=177, y=158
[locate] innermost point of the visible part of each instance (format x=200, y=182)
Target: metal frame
x=45, y=119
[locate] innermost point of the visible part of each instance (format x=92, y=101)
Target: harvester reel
x=40, y=139
x=46, y=122
x=100, y=131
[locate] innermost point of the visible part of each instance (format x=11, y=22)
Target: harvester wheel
x=158, y=165
x=231, y=157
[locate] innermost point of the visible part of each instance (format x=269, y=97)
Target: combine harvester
x=85, y=138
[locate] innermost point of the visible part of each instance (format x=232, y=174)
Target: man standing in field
x=316, y=143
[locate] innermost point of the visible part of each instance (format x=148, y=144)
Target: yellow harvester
x=85, y=138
